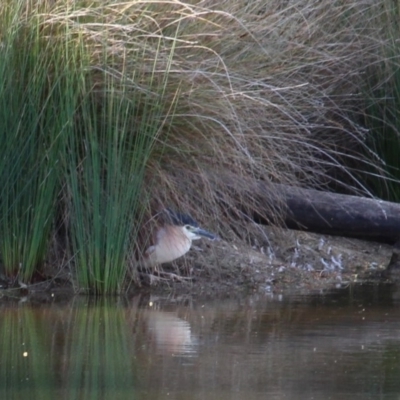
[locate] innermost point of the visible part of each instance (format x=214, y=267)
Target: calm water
x=345, y=345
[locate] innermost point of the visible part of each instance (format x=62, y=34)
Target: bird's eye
x=188, y=227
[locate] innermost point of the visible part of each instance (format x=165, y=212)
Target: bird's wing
x=149, y=251
x=158, y=238
x=160, y=235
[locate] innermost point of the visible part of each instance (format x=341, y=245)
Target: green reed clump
x=123, y=106
x=77, y=114
x=105, y=163
x=34, y=79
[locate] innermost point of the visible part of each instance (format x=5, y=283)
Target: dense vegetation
x=109, y=110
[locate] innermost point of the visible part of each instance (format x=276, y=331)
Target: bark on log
x=332, y=213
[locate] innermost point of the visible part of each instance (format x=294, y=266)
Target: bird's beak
x=204, y=233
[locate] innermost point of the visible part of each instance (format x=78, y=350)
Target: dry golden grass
x=255, y=90
x=264, y=91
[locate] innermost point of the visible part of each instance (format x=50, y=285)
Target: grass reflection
x=79, y=352
x=99, y=363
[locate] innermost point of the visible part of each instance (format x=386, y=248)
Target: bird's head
x=189, y=226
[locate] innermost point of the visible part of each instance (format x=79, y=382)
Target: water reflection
x=171, y=334
x=342, y=346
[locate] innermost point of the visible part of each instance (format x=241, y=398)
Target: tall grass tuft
x=32, y=118
x=80, y=113
x=103, y=180
x=115, y=130
x=122, y=110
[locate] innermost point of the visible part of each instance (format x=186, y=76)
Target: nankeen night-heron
x=172, y=239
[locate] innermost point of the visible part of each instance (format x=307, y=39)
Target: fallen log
x=325, y=212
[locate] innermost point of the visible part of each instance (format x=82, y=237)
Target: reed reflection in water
x=342, y=346
x=82, y=350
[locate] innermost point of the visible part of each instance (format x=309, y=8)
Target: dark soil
x=264, y=259
x=273, y=260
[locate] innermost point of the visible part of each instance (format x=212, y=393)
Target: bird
x=172, y=240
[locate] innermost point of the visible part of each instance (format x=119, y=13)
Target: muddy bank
x=259, y=258
x=273, y=259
